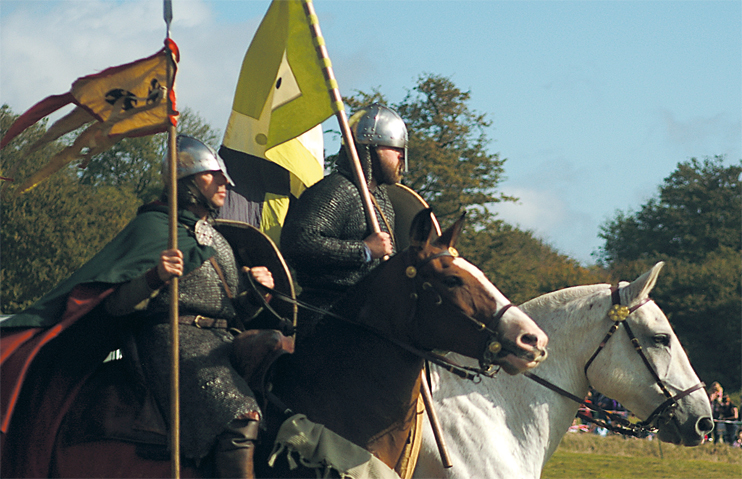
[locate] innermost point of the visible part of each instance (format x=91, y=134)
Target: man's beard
x=390, y=175
x=384, y=173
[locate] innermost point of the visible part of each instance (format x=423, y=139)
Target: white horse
x=509, y=427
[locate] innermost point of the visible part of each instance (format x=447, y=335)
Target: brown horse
x=359, y=373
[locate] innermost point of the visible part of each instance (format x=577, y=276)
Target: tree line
x=694, y=224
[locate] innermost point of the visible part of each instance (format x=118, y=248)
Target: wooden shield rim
x=279, y=269
x=404, y=196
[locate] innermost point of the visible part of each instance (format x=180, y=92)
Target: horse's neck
x=572, y=339
x=503, y=427
x=517, y=422
x=353, y=381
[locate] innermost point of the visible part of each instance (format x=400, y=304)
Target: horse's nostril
x=529, y=339
x=705, y=424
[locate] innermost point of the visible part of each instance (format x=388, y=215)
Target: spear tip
x=167, y=8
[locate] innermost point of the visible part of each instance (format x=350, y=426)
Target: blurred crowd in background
x=727, y=424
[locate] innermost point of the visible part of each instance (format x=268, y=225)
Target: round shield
x=252, y=247
x=407, y=203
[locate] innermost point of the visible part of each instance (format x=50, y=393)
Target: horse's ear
x=424, y=228
x=451, y=235
x=640, y=287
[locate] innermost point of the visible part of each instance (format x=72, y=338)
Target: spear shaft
x=337, y=105
x=173, y=244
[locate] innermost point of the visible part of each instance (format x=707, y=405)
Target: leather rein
x=665, y=411
x=495, y=348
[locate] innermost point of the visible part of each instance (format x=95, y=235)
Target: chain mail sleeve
x=326, y=225
x=322, y=237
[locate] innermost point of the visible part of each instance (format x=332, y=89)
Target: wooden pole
x=435, y=423
x=173, y=244
x=174, y=292
x=337, y=105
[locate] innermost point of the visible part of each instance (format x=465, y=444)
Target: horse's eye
x=453, y=282
x=662, y=339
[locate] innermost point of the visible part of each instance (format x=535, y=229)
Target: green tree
x=50, y=231
x=697, y=212
x=458, y=173
x=702, y=301
x=452, y=169
x=521, y=265
x=695, y=225
x=449, y=164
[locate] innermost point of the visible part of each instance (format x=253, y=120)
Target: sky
x=592, y=103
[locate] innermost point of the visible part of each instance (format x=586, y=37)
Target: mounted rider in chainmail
x=325, y=236
x=218, y=409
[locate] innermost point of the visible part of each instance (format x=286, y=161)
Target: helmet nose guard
x=377, y=125
x=193, y=156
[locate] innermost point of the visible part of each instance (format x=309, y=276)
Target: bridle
x=495, y=347
x=665, y=412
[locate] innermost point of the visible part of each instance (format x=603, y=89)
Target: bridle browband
x=665, y=411
x=495, y=348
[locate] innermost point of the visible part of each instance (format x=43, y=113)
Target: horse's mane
x=563, y=296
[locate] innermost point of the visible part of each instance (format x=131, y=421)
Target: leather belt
x=203, y=322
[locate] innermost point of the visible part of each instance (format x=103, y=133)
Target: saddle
x=115, y=404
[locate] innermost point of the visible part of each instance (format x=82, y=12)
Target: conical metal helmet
x=377, y=125
x=193, y=156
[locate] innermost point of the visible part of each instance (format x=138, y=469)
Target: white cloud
x=536, y=210
x=695, y=135
x=569, y=163
x=546, y=213
x=79, y=38
x=83, y=37
x=45, y=49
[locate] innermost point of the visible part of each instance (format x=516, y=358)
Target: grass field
x=590, y=456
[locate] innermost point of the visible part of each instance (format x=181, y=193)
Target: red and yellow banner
x=121, y=101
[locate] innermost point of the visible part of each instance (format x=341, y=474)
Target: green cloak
x=129, y=255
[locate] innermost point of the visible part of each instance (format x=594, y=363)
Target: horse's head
x=644, y=365
x=458, y=309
